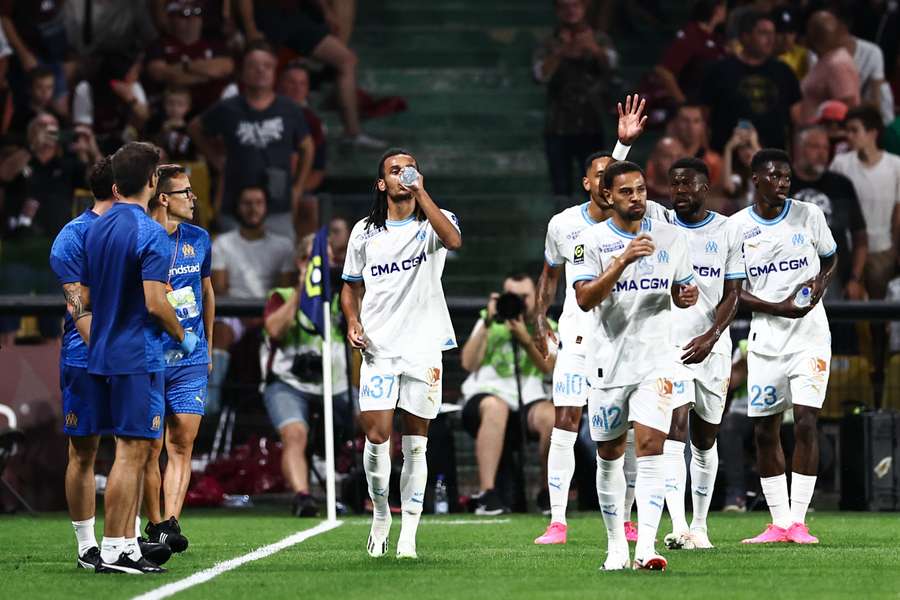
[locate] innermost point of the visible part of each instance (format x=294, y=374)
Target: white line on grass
x=217, y=569
x=448, y=522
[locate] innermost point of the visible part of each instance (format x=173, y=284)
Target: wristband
x=621, y=151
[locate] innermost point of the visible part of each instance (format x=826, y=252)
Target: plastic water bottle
x=173, y=355
x=803, y=297
x=408, y=175
x=441, y=501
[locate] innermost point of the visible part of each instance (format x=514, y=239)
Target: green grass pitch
x=859, y=557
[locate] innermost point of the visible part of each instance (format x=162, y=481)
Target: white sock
x=84, y=535
x=377, y=464
x=413, y=479
x=775, y=489
x=676, y=478
x=611, y=493
x=704, y=466
x=630, y=473
x=560, y=467
x=802, y=487
x=111, y=548
x=131, y=546
x=649, y=491
x=137, y=526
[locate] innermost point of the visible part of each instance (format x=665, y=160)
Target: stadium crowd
x=222, y=88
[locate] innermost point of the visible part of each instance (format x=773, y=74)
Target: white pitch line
x=441, y=522
x=199, y=577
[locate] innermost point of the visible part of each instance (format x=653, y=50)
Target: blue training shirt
x=190, y=258
x=66, y=258
x=124, y=248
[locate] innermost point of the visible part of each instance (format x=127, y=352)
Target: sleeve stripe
x=347, y=277
x=585, y=277
x=827, y=254
x=687, y=279
x=739, y=275
x=550, y=262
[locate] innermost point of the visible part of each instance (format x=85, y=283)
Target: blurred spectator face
x=760, y=42
x=811, y=152
x=570, y=12
x=745, y=154
x=295, y=85
x=181, y=197
x=666, y=152
x=259, y=70
x=858, y=136
x=186, y=21
x=42, y=90
x=43, y=132
x=338, y=238
x=177, y=105
x=690, y=128
x=251, y=208
x=524, y=289
x=304, y=251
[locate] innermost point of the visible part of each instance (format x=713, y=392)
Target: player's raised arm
x=443, y=227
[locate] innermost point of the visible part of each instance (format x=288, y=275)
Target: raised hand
x=631, y=119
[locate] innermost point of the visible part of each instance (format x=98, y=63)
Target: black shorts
x=471, y=419
x=291, y=28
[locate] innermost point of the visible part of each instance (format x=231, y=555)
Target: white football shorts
x=394, y=382
x=776, y=383
x=649, y=403
x=570, y=384
x=704, y=387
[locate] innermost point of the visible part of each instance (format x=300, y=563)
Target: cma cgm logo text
x=647, y=283
x=781, y=265
x=396, y=267
x=707, y=271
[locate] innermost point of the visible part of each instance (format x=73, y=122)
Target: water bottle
x=173, y=355
x=803, y=297
x=236, y=501
x=408, y=175
x=441, y=501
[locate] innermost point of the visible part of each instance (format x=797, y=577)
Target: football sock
x=137, y=526
x=676, y=476
x=111, y=548
x=775, y=490
x=611, y=493
x=377, y=463
x=132, y=547
x=560, y=467
x=704, y=466
x=413, y=479
x=802, y=487
x=84, y=535
x=630, y=468
x=649, y=491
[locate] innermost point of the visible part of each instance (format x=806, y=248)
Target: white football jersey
x=562, y=233
x=630, y=335
x=714, y=245
x=780, y=254
x=403, y=310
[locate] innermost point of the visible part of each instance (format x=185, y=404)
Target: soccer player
x=191, y=294
x=701, y=389
x=631, y=269
x=396, y=314
x=790, y=259
x=570, y=387
x=124, y=274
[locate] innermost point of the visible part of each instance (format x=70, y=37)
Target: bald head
x=666, y=151
x=824, y=31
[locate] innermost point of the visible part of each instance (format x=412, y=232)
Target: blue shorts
x=186, y=389
x=286, y=404
x=136, y=403
x=85, y=404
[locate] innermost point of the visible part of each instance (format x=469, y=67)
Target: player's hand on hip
x=686, y=295
x=355, y=335
x=639, y=247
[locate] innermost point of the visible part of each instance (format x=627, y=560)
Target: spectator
x=171, y=134
x=575, y=63
x=689, y=128
x=187, y=59
x=869, y=61
x=696, y=46
x=263, y=134
x=751, y=85
x=797, y=56
x=285, y=24
x=294, y=84
x=36, y=34
x=831, y=115
x=491, y=411
x=115, y=26
x=291, y=362
x=338, y=238
x=40, y=100
x=876, y=176
x=41, y=179
x=666, y=151
x=834, y=76
x=246, y=263
x=113, y=101
x=736, y=172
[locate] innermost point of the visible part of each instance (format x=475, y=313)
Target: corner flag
x=316, y=293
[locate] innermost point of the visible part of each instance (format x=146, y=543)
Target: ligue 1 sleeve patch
x=578, y=255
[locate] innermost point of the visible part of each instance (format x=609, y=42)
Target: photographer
x=291, y=360
x=491, y=411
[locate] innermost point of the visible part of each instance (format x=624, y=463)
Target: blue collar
x=706, y=220
x=587, y=216
x=405, y=221
x=778, y=219
x=645, y=226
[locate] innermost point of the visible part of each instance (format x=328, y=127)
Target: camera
x=307, y=367
x=509, y=306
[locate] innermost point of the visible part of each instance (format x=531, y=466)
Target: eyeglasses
x=188, y=192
